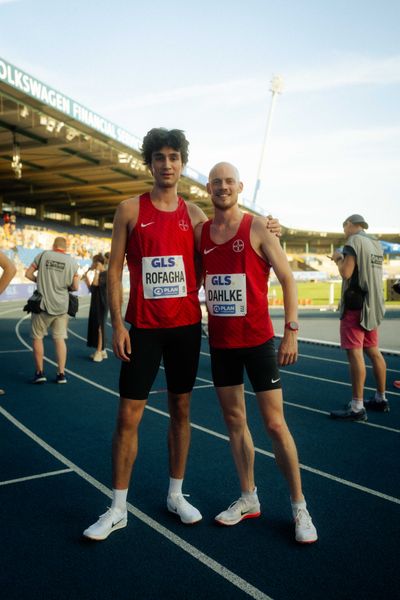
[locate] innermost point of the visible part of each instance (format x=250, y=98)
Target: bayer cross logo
x=238, y=246
x=183, y=225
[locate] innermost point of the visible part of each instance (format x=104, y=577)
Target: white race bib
x=226, y=295
x=163, y=277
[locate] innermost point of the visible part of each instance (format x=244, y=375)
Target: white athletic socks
x=175, y=486
x=297, y=505
x=357, y=404
x=380, y=397
x=250, y=495
x=119, y=500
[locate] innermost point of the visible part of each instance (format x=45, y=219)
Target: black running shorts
x=260, y=362
x=179, y=347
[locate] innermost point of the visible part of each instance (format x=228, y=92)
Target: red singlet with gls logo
x=236, y=284
x=160, y=257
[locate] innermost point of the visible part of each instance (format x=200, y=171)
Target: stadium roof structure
x=308, y=241
x=60, y=157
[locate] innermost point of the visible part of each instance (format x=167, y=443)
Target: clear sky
x=205, y=67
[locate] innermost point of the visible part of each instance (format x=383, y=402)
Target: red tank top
x=160, y=256
x=236, y=283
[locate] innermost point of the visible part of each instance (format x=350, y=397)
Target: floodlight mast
x=276, y=88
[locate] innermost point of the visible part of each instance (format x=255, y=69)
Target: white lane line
x=10, y=351
x=39, y=476
x=336, y=344
x=327, y=413
x=225, y=437
x=19, y=308
x=334, y=381
x=312, y=470
x=206, y=381
x=350, y=484
x=84, y=339
x=165, y=391
x=322, y=412
x=11, y=310
x=340, y=362
x=207, y=385
x=172, y=537
x=345, y=383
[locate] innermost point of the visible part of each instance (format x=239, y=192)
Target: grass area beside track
x=314, y=293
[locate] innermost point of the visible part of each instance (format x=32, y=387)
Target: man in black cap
x=361, y=312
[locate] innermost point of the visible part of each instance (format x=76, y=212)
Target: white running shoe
x=102, y=352
x=305, y=530
x=98, y=356
x=188, y=514
x=244, y=508
x=112, y=520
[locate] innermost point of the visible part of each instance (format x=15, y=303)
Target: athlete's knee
x=129, y=415
x=179, y=408
x=235, y=421
x=277, y=428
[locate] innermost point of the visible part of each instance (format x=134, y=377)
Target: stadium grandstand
x=64, y=169
x=23, y=239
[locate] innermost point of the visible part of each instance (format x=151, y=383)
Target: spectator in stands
x=6, y=224
x=361, y=312
x=97, y=286
x=8, y=273
x=57, y=272
x=13, y=222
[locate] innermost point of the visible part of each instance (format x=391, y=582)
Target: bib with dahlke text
x=226, y=295
x=163, y=277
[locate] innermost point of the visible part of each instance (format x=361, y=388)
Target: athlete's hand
x=121, y=343
x=288, y=352
x=273, y=225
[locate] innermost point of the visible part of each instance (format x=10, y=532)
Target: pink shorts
x=352, y=335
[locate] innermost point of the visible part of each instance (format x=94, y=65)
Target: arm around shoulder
x=197, y=216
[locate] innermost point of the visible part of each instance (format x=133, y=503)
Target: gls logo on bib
x=226, y=295
x=163, y=277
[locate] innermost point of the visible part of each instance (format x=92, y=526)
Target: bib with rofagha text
x=226, y=295
x=163, y=277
